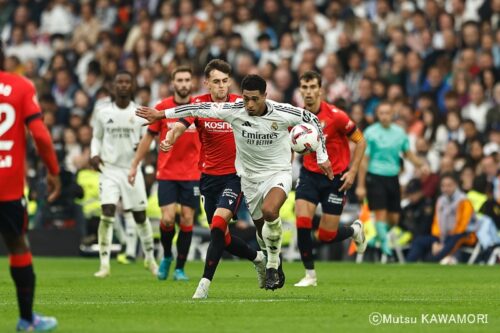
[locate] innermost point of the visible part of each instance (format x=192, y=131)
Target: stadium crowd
x=436, y=61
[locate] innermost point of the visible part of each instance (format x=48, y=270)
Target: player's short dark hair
x=311, y=75
x=218, y=64
x=181, y=69
x=450, y=175
x=124, y=72
x=254, y=82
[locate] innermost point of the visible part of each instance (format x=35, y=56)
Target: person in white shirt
x=478, y=106
x=117, y=132
x=263, y=156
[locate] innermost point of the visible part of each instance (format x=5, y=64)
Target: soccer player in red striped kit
x=314, y=187
x=19, y=108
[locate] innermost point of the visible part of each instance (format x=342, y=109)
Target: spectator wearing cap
x=453, y=214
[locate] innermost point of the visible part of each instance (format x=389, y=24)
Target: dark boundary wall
x=61, y=243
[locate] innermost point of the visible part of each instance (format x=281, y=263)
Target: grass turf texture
x=132, y=300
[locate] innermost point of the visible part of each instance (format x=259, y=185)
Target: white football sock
x=131, y=234
x=145, y=232
x=105, y=238
x=311, y=273
x=272, y=234
x=119, y=231
x=261, y=243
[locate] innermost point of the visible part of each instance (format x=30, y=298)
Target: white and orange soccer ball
x=304, y=138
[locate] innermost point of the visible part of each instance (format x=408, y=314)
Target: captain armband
x=356, y=136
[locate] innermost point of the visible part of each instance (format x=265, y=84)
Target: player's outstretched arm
x=202, y=110
x=45, y=148
x=172, y=136
x=150, y=114
x=140, y=153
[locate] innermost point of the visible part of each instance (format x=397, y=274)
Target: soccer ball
x=304, y=138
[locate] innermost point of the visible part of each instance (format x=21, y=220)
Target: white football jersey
x=116, y=134
x=262, y=142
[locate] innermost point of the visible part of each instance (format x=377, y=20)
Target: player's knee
x=139, y=217
x=269, y=214
x=168, y=220
x=220, y=223
x=166, y=226
x=108, y=210
x=186, y=220
x=16, y=244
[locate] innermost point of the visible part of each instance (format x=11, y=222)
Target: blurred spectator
x=417, y=216
x=57, y=18
x=437, y=86
x=88, y=27
x=478, y=106
x=453, y=214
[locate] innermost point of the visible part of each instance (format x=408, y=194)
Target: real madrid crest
x=131, y=120
x=274, y=126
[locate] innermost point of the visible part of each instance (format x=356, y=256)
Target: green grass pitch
x=131, y=300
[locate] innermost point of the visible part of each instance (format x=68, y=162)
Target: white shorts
x=113, y=185
x=255, y=192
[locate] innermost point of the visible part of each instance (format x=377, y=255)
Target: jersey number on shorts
x=5, y=125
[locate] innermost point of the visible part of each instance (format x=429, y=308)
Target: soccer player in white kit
x=117, y=132
x=263, y=156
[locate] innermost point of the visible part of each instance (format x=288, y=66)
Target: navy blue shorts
x=186, y=193
x=383, y=192
x=317, y=188
x=220, y=192
x=13, y=217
